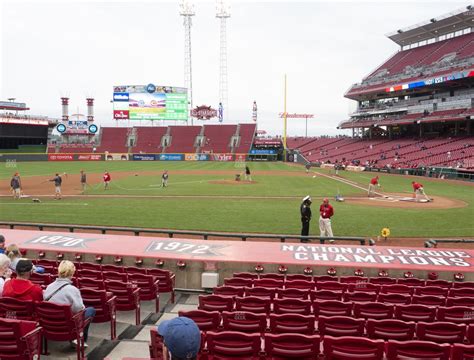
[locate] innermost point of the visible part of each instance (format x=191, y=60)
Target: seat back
x=301, y=294
x=415, y=312
x=331, y=285
x=292, y=323
x=430, y=300
x=462, y=352
x=253, y=304
x=97, y=284
x=242, y=282
x=411, y=282
x=461, y=292
x=205, y=320
x=340, y=326
x=375, y=311
x=417, y=350
x=332, y=308
x=460, y=301
x=291, y=346
x=397, y=289
x=245, y=275
x=299, y=284
x=89, y=266
x=58, y=322
x=269, y=283
x=325, y=295
x=114, y=275
x=402, y=299
x=90, y=274
x=455, y=314
x=350, y=348
x=146, y=283
x=353, y=279
x=244, y=321
x=216, y=303
x=19, y=340
x=261, y=292
x=464, y=284
x=441, y=332
x=233, y=344
x=228, y=290
x=12, y=308
x=41, y=279
x=390, y=329
x=135, y=270
x=127, y=294
x=292, y=306
x=113, y=268
x=382, y=281
x=431, y=290
x=360, y=296
x=99, y=300
x=364, y=287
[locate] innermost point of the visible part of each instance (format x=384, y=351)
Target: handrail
x=205, y=234
x=432, y=243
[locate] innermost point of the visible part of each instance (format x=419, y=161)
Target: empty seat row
x=234, y=344
x=386, y=329
x=354, y=293
x=373, y=310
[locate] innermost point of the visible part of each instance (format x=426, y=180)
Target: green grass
x=241, y=212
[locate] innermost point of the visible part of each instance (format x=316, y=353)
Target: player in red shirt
x=373, y=183
x=326, y=211
x=107, y=179
x=419, y=191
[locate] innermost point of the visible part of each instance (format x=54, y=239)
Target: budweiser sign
x=295, y=116
x=203, y=112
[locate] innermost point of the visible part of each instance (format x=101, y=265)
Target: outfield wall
x=122, y=157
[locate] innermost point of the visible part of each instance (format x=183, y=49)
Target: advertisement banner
x=60, y=157
x=171, y=157
x=196, y=157
x=89, y=157
x=143, y=157
x=240, y=157
x=263, y=152
x=222, y=157
x=121, y=114
x=110, y=157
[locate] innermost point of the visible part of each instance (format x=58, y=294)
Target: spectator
x=5, y=271
x=61, y=291
x=14, y=253
x=2, y=244
x=181, y=339
x=22, y=288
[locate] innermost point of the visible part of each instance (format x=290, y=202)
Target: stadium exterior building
x=423, y=90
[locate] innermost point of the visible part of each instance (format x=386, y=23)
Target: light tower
x=186, y=10
x=222, y=13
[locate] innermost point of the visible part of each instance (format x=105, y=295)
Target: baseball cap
x=24, y=266
x=2, y=239
x=307, y=198
x=181, y=336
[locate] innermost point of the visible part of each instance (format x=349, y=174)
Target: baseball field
x=205, y=196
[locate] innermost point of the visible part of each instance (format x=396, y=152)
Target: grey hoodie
x=69, y=294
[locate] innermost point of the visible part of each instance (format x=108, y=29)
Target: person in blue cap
x=181, y=338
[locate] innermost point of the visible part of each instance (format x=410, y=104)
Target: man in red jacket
x=107, y=179
x=22, y=288
x=373, y=183
x=326, y=211
x=419, y=191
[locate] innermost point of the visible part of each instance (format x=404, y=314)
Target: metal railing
x=432, y=243
x=171, y=233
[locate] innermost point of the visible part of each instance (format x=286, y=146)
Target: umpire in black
x=305, y=210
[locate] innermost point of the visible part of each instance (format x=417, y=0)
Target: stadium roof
x=445, y=24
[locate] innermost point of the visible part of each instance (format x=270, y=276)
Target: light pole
x=187, y=12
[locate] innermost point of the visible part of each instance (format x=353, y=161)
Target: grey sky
x=80, y=48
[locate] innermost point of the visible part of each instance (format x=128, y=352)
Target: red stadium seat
x=228, y=291
x=415, y=313
x=441, y=332
x=349, y=348
x=216, y=303
x=113, y=268
x=238, y=282
x=299, y=284
x=440, y=283
x=331, y=285
x=269, y=283
x=321, y=278
x=353, y=280
x=359, y=296
x=244, y=321
x=374, y=310
x=89, y=266
x=462, y=352
x=325, y=295
x=50, y=266
x=429, y=300
x=455, y=314
x=90, y=274
x=383, y=281
x=88, y=283
x=116, y=276
x=291, y=346
x=365, y=287
x=60, y=324
x=464, y=284
x=390, y=329
x=253, y=304
x=167, y=281
x=461, y=292
x=136, y=270
x=233, y=344
x=293, y=294
x=127, y=297
x=332, y=308
x=431, y=290
x=104, y=305
x=20, y=340
x=415, y=349
x=205, y=320
x=12, y=308
x=411, y=282
x=460, y=301
x=149, y=288
x=396, y=289
x=292, y=277
x=399, y=299
x=292, y=306
x=261, y=292
x=274, y=276
x=245, y=275
x=470, y=334
x=340, y=326
x=292, y=323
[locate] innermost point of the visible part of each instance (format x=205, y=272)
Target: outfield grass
x=240, y=213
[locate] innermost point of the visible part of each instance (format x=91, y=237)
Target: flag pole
x=284, y=125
